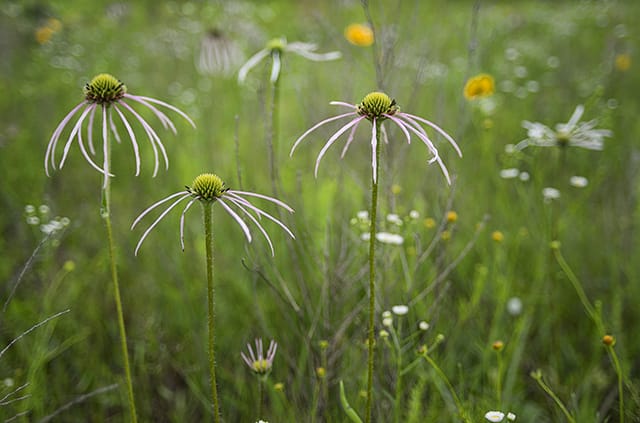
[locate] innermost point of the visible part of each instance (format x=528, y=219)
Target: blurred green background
x=546, y=58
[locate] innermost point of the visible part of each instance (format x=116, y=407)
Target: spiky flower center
x=276, y=44
x=208, y=187
x=261, y=366
x=377, y=104
x=104, y=89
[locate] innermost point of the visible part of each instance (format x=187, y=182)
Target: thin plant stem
x=616, y=365
x=208, y=230
x=399, y=373
x=105, y=212
x=537, y=375
x=272, y=135
x=349, y=411
x=260, y=397
x=499, y=379
x=588, y=307
x=461, y=411
x=372, y=274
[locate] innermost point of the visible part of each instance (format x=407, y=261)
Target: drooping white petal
x=275, y=67
x=316, y=126
x=333, y=139
x=163, y=214
x=161, y=103
x=50, y=153
x=251, y=63
x=237, y=218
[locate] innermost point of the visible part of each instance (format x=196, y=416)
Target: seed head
x=208, y=187
x=375, y=105
x=608, y=340
x=104, y=89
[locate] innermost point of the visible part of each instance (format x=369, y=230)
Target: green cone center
x=104, y=89
x=377, y=104
x=208, y=187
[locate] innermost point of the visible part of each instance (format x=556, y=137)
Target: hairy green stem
x=208, y=231
x=372, y=274
x=105, y=213
x=260, y=397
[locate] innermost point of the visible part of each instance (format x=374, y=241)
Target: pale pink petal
x=316, y=126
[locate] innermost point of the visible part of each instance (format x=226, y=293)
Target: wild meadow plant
x=275, y=50
x=260, y=364
x=574, y=133
x=105, y=94
x=209, y=189
x=377, y=107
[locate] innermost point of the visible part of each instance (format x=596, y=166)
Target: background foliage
x=546, y=58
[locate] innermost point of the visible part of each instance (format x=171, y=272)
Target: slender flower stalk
x=377, y=107
x=275, y=49
x=209, y=189
x=105, y=94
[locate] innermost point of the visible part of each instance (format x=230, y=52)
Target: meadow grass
x=461, y=274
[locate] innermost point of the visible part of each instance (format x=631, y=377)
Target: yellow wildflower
x=497, y=236
x=452, y=216
x=622, y=62
x=481, y=85
x=359, y=35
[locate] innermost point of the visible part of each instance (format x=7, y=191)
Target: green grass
x=315, y=288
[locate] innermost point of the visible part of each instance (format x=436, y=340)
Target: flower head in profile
x=219, y=55
x=275, y=48
x=359, y=35
x=259, y=362
x=479, y=86
x=377, y=107
x=209, y=188
x=571, y=134
x=105, y=94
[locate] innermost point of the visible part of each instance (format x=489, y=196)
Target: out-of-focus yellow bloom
x=359, y=35
x=497, y=236
x=396, y=189
x=481, y=85
x=279, y=386
x=429, y=223
x=622, y=62
x=44, y=33
x=452, y=216
x=445, y=236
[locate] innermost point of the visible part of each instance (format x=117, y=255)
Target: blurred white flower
x=494, y=416
x=550, y=194
x=362, y=215
x=414, y=214
x=573, y=133
x=400, y=310
x=275, y=48
x=394, y=218
x=524, y=176
x=514, y=306
x=511, y=416
x=387, y=321
x=423, y=325
x=509, y=173
x=579, y=181
x=385, y=238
